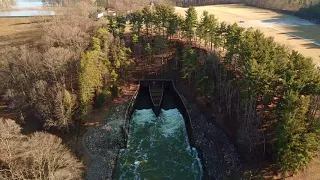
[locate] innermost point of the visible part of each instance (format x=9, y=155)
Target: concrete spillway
x=158, y=146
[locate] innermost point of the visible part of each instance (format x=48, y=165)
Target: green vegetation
x=55, y=82
x=68, y=71
x=190, y=23
x=265, y=90
x=256, y=82
x=101, y=66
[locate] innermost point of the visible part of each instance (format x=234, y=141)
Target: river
x=158, y=148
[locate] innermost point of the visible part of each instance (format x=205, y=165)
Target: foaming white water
x=143, y=116
x=172, y=121
x=158, y=148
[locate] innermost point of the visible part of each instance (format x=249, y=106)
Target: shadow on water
x=168, y=101
x=143, y=100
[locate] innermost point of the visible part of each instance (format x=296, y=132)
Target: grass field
x=299, y=34
x=18, y=31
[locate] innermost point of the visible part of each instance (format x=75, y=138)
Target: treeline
x=128, y=6
x=312, y=12
x=268, y=91
x=205, y=2
x=6, y=4
x=290, y=5
x=40, y=81
x=70, y=70
x=308, y=9
x=100, y=69
x=75, y=66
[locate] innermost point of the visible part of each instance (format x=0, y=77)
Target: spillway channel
x=158, y=146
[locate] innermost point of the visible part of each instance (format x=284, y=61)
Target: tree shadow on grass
x=298, y=29
x=312, y=13
x=311, y=46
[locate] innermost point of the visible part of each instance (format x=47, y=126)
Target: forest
x=52, y=82
x=268, y=91
x=265, y=92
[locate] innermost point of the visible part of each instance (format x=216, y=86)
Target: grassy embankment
x=298, y=34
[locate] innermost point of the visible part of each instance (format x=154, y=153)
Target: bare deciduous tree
x=43, y=78
x=40, y=156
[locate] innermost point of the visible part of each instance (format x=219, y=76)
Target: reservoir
x=23, y=8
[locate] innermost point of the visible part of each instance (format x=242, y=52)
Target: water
x=26, y=13
x=22, y=4
x=20, y=8
x=158, y=148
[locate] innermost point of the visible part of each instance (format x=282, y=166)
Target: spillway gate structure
x=153, y=93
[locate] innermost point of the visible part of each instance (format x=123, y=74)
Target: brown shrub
x=40, y=156
x=42, y=79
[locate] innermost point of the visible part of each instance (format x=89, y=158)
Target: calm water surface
x=22, y=8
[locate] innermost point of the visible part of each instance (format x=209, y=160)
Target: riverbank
x=104, y=137
x=103, y=141
x=219, y=157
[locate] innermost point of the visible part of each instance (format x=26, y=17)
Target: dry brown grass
x=312, y=172
x=272, y=24
x=18, y=31
x=309, y=32
x=36, y=156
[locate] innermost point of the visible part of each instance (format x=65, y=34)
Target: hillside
x=296, y=33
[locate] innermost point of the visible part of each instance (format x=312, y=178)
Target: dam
x=159, y=144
